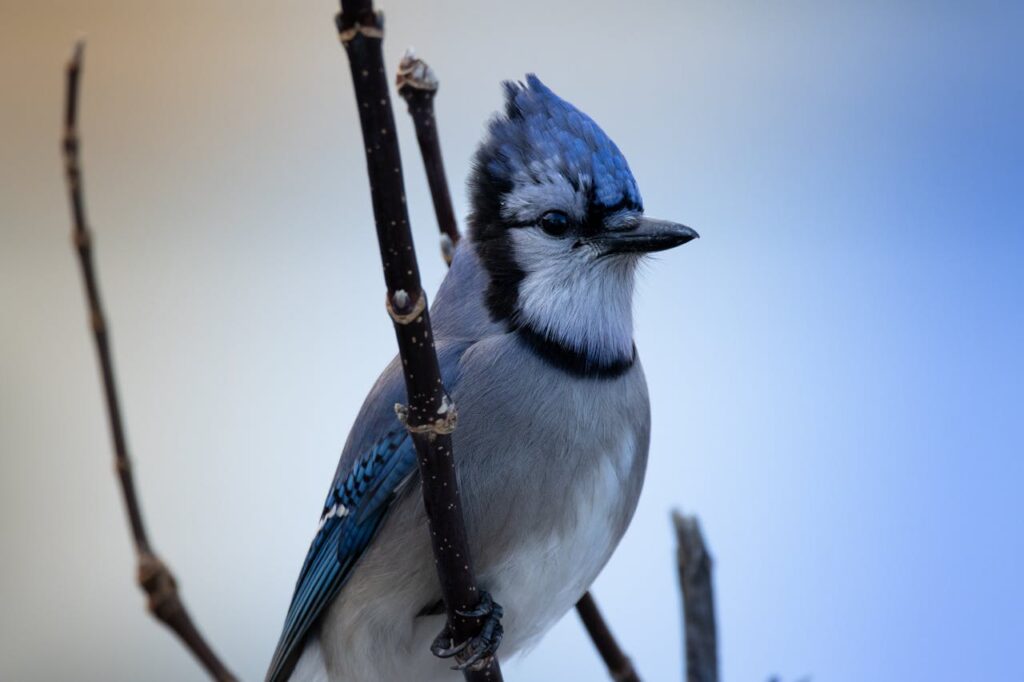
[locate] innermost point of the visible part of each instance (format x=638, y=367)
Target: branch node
x=445, y=423
x=374, y=30
x=80, y=238
x=399, y=301
x=415, y=73
x=160, y=586
x=70, y=143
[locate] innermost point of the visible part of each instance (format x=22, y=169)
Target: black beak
x=649, y=235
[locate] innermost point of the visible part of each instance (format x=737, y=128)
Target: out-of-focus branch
x=417, y=84
x=619, y=666
x=472, y=630
x=698, y=600
x=154, y=577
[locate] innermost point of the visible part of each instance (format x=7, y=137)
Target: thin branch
x=430, y=415
x=418, y=85
x=619, y=666
x=154, y=577
x=698, y=600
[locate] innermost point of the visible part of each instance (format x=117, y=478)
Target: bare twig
x=698, y=600
x=430, y=415
x=154, y=577
x=417, y=84
x=619, y=666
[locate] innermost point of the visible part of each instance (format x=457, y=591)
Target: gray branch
x=700, y=635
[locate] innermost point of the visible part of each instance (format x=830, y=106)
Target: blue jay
x=534, y=334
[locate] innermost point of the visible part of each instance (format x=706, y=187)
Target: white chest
x=550, y=571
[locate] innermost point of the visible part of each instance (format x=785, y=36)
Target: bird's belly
x=544, y=573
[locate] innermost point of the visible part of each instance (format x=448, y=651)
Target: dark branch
x=430, y=415
x=619, y=666
x=417, y=84
x=154, y=577
x=698, y=600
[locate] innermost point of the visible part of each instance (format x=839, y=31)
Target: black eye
x=554, y=223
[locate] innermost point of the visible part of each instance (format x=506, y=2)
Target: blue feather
x=541, y=126
x=353, y=512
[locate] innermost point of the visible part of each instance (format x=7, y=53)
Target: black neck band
x=571, y=360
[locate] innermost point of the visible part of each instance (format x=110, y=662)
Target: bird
x=533, y=327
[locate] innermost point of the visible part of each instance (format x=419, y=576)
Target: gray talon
x=444, y=646
x=476, y=652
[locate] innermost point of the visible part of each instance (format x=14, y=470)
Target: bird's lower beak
x=648, y=236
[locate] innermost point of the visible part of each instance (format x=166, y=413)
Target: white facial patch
x=570, y=295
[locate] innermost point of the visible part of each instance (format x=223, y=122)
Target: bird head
x=558, y=223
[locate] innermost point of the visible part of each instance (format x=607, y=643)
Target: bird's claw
x=485, y=608
x=476, y=652
x=444, y=645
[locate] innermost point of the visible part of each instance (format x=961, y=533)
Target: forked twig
x=154, y=577
x=698, y=600
x=430, y=415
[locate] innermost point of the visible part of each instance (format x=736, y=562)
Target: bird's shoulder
x=377, y=416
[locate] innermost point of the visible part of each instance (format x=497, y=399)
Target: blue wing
x=355, y=507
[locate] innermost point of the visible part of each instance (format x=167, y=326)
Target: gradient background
x=835, y=367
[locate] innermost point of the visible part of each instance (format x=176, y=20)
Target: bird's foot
x=476, y=652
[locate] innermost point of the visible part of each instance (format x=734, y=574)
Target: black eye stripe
x=532, y=222
x=594, y=221
x=547, y=218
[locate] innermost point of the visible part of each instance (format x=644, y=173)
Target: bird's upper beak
x=647, y=236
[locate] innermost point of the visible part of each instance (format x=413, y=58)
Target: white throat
x=569, y=296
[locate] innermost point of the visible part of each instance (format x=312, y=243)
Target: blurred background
x=835, y=366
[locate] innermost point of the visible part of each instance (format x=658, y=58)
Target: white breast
x=559, y=567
